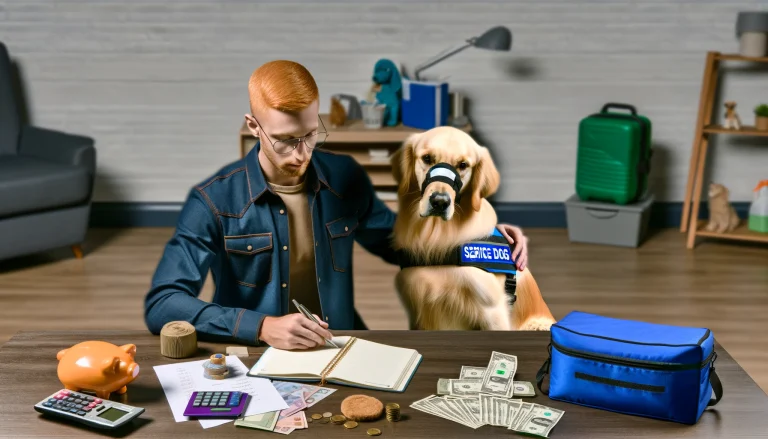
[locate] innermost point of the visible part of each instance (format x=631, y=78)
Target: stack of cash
x=298, y=397
x=485, y=396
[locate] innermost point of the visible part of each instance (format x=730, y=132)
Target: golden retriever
x=441, y=297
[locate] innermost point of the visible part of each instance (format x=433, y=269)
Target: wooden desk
x=28, y=374
x=355, y=140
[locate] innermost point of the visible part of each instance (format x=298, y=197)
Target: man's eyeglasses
x=311, y=141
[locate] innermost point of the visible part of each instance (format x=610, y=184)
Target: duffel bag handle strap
x=717, y=386
x=543, y=371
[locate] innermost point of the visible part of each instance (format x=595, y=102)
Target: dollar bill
x=443, y=386
x=262, y=421
x=473, y=404
x=319, y=395
x=471, y=372
x=498, y=377
x=525, y=408
x=464, y=388
x=523, y=388
x=512, y=406
x=502, y=411
x=540, y=420
x=453, y=410
x=297, y=421
x=485, y=408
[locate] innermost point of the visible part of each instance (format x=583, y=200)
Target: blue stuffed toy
x=387, y=75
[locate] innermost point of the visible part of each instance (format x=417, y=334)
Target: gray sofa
x=46, y=180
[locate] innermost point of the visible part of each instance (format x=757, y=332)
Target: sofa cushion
x=28, y=184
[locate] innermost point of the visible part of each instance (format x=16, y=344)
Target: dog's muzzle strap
x=445, y=173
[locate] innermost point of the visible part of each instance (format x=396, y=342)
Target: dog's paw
x=537, y=324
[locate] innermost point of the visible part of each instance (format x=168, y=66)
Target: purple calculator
x=216, y=404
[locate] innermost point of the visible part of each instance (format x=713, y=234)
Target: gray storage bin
x=606, y=223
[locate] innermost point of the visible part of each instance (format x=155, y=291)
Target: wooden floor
x=719, y=285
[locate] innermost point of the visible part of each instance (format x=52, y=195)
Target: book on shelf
x=379, y=155
x=355, y=363
x=387, y=195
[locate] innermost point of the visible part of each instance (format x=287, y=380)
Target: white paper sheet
x=179, y=380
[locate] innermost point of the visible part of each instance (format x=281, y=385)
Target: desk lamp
x=495, y=38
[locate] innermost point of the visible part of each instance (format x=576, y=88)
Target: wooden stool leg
x=78, y=251
x=708, y=84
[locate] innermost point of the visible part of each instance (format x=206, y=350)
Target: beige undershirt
x=302, y=283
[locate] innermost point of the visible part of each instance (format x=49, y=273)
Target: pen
x=309, y=315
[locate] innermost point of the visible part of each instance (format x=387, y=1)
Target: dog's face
x=420, y=152
x=730, y=105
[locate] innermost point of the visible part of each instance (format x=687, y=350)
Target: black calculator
x=87, y=409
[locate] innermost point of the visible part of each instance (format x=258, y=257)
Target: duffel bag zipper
x=645, y=364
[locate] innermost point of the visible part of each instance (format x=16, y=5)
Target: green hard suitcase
x=613, y=155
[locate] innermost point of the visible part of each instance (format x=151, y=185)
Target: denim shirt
x=236, y=226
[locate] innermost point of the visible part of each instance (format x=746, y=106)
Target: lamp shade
x=496, y=38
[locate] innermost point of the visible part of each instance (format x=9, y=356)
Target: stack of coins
x=393, y=412
x=338, y=419
x=216, y=368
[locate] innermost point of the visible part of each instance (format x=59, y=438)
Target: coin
x=325, y=420
x=317, y=416
x=338, y=419
x=327, y=414
x=350, y=424
x=373, y=432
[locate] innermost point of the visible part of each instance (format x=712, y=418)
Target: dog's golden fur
x=448, y=297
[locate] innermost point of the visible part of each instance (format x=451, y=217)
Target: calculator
x=89, y=410
x=216, y=404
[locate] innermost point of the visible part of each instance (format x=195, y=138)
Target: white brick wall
x=162, y=86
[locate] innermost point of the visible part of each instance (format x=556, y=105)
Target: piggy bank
x=97, y=366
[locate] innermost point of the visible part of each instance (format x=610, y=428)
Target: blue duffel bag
x=637, y=368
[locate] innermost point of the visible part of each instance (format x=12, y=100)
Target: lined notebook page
x=373, y=364
x=310, y=362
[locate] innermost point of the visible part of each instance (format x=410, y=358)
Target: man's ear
x=253, y=127
x=485, y=178
x=403, y=166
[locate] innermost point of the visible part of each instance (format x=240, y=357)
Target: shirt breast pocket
x=250, y=258
x=342, y=238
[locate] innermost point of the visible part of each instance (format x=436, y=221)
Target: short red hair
x=283, y=85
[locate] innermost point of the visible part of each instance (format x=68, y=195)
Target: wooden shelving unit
x=355, y=140
x=690, y=222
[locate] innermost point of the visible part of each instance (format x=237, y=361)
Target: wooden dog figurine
x=732, y=120
x=722, y=215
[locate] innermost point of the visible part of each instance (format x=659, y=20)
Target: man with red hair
x=277, y=225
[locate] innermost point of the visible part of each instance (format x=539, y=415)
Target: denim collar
x=257, y=184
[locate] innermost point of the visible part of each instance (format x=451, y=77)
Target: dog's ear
x=485, y=178
x=403, y=166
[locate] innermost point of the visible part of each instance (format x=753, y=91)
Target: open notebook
x=356, y=363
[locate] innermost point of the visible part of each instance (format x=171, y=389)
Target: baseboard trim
x=531, y=215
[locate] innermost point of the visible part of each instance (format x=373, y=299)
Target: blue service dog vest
x=636, y=368
x=491, y=253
